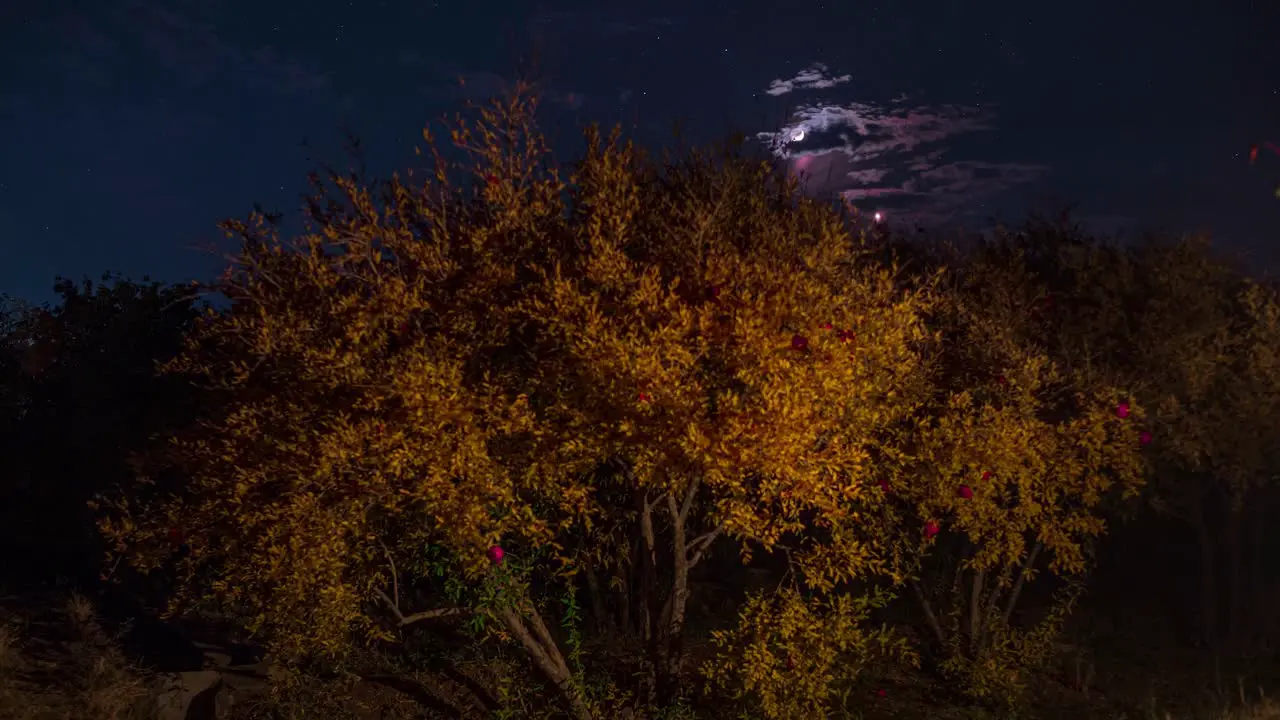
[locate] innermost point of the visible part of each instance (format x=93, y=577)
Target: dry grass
x=1247, y=709
x=57, y=663
x=1265, y=710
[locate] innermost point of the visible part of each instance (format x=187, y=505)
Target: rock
x=189, y=696
x=216, y=659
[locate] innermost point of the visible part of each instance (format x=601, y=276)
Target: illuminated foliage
x=372, y=407
x=1036, y=443
x=462, y=397
x=729, y=342
x=997, y=672
x=1014, y=465
x=790, y=654
x=450, y=369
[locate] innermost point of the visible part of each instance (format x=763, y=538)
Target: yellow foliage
x=437, y=369
x=369, y=411
x=448, y=368
x=998, y=672
x=1020, y=452
x=719, y=331
x=789, y=654
x=1022, y=447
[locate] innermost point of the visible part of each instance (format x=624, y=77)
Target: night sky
x=128, y=129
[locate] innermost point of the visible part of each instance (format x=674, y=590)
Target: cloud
x=897, y=156
x=949, y=191
x=268, y=69
x=814, y=77
x=483, y=85
x=101, y=46
x=597, y=23
x=77, y=47
x=84, y=33
x=197, y=52
x=866, y=130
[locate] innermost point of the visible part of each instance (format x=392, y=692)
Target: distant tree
x=1014, y=466
x=13, y=404
x=79, y=393
x=1197, y=341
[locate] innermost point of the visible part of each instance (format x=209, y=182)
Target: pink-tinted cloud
x=893, y=156
x=952, y=190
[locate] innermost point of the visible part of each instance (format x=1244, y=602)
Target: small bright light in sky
x=797, y=136
x=878, y=216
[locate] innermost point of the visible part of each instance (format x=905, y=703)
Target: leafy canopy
x=441, y=365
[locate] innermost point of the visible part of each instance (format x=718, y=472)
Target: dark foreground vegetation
x=643, y=438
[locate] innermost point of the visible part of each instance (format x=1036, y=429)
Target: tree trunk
x=648, y=569
x=1208, y=577
x=1258, y=608
x=975, y=612
x=993, y=599
x=600, y=616
x=546, y=656
x=1027, y=566
x=929, y=615
x=647, y=590
x=671, y=635
x=1235, y=573
x=625, y=600
x=668, y=642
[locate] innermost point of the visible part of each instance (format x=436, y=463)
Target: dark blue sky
x=128, y=129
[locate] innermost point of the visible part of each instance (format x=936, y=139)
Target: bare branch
x=991, y=606
x=547, y=659
x=928, y=613
x=432, y=614
x=689, y=496
x=544, y=636
x=403, y=620
x=1027, y=567
x=698, y=546
x=651, y=506
x=395, y=578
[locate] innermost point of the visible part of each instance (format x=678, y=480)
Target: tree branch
x=689, y=496
x=543, y=658
x=544, y=636
x=1022, y=577
x=993, y=598
x=698, y=546
x=975, y=610
x=403, y=620
x=648, y=567
x=928, y=613
x=395, y=577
